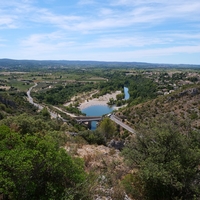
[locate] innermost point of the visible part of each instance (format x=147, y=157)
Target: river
x=126, y=93
x=98, y=110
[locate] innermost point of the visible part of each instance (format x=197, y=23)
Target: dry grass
x=108, y=167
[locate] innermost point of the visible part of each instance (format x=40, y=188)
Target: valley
x=146, y=143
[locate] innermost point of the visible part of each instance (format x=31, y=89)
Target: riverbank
x=102, y=100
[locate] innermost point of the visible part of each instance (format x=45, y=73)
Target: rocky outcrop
x=189, y=92
x=7, y=102
x=117, y=144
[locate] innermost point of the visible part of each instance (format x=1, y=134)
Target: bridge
x=84, y=119
x=88, y=119
x=117, y=120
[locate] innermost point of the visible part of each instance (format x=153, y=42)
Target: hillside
x=181, y=107
x=15, y=103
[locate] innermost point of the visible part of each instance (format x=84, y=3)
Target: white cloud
x=168, y=51
x=142, y=55
x=142, y=13
x=185, y=35
x=8, y=22
x=86, y=2
x=38, y=45
x=14, y=13
x=41, y=38
x=118, y=27
x=2, y=42
x=106, y=12
x=125, y=42
x=162, y=9
x=62, y=21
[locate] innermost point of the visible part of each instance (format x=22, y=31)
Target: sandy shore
x=103, y=100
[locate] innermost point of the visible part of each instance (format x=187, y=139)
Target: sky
x=154, y=31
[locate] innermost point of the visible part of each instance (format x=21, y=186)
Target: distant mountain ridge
x=7, y=63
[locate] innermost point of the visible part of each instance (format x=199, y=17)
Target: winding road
x=40, y=107
x=30, y=99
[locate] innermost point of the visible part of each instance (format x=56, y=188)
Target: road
x=40, y=107
x=117, y=121
x=30, y=99
x=67, y=113
x=53, y=114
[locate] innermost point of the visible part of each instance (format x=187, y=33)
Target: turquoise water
x=99, y=110
x=126, y=93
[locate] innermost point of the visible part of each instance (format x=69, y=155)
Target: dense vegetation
x=61, y=94
x=33, y=166
x=141, y=89
x=166, y=163
x=13, y=103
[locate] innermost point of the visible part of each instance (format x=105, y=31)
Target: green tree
x=34, y=167
x=93, y=137
x=25, y=123
x=165, y=164
x=45, y=113
x=107, y=128
x=120, y=96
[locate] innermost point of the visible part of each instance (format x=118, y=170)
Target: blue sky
x=156, y=31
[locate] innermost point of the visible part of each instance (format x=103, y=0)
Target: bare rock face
x=7, y=102
x=193, y=91
x=189, y=92
x=116, y=144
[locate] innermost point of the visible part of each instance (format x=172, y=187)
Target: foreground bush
x=34, y=167
x=165, y=164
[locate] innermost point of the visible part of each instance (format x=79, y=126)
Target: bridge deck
x=88, y=118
